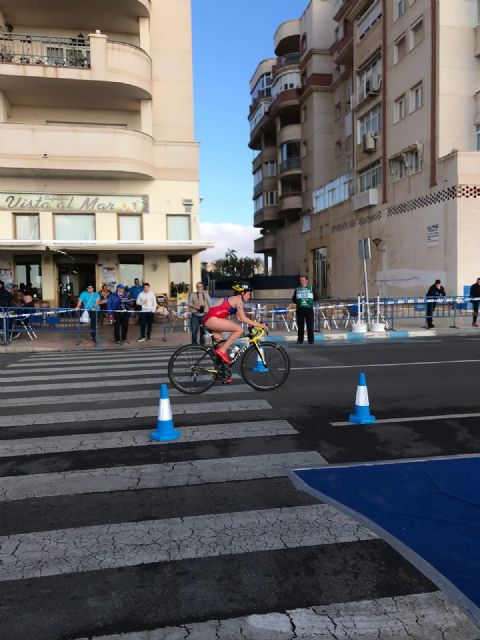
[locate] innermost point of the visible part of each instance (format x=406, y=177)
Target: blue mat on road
x=428, y=510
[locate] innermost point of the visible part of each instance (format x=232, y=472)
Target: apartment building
x=98, y=164
x=366, y=124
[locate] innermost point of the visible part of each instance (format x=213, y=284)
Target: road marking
x=120, y=395
x=384, y=364
x=101, y=373
x=134, y=382
x=119, y=439
x=450, y=416
x=224, y=406
x=155, y=476
x=103, y=366
x=423, y=616
x=63, y=551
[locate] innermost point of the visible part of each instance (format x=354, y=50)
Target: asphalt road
x=102, y=533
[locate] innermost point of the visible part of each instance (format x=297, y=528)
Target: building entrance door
x=320, y=276
x=73, y=278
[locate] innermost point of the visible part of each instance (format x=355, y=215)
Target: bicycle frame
x=252, y=339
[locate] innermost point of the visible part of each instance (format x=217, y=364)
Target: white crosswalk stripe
x=218, y=496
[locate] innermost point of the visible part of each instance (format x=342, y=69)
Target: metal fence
x=18, y=48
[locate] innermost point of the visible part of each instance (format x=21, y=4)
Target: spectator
x=135, y=291
x=147, y=303
x=199, y=303
x=6, y=298
x=475, y=293
x=118, y=305
x=435, y=291
x=89, y=300
x=303, y=298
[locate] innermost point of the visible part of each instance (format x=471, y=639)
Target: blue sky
x=229, y=39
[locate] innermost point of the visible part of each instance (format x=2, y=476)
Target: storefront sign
x=73, y=202
x=433, y=234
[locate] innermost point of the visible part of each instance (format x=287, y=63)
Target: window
x=338, y=111
x=400, y=49
x=290, y=156
x=258, y=203
x=369, y=80
x=477, y=137
x=399, y=109
x=269, y=169
x=304, y=113
x=262, y=88
x=131, y=267
x=77, y=228
x=371, y=121
x=332, y=193
x=178, y=228
x=370, y=177
x=28, y=270
x=478, y=11
x=270, y=198
x=416, y=97
x=305, y=223
x=416, y=33
x=257, y=177
x=285, y=82
x=369, y=19
x=414, y=161
x=26, y=227
x=130, y=228
x=397, y=168
x=401, y=7
x=180, y=269
x=338, y=147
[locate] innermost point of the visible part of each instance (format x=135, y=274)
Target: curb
x=358, y=337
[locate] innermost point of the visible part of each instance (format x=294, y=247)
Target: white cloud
x=227, y=235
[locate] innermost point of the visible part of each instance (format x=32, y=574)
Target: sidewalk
x=404, y=329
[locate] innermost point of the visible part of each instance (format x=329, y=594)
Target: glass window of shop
x=28, y=273
x=178, y=228
x=130, y=267
x=74, y=227
x=130, y=228
x=27, y=227
x=180, y=268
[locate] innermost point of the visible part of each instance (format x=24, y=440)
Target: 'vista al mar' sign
x=72, y=202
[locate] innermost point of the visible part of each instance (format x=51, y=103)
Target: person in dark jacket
x=303, y=298
x=118, y=305
x=6, y=298
x=475, y=293
x=435, y=291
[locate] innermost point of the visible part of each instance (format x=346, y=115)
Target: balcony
x=266, y=215
x=112, y=16
x=33, y=150
x=42, y=61
x=289, y=133
x=288, y=60
x=290, y=165
x=265, y=243
x=368, y=198
x=291, y=202
x=477, y=41
x=287, y=38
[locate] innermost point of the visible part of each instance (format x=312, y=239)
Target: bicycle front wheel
x=269, y=376
x=192, y=369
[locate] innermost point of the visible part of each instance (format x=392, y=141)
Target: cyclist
x=215, y=320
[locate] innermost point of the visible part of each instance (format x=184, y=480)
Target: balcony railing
x=18, y=48
x=288, y=59
x=290, y=164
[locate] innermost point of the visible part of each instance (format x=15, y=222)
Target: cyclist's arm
x=241, y=316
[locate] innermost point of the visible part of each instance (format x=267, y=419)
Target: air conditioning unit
x=187, y=202
x=373, y=86
x=369, y=142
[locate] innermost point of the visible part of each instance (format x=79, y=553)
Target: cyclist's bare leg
x=218, y=325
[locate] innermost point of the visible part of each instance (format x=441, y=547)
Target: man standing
x=303, y=298
x=147, y=302
x=6, y=298
x=475, y=293
x=118, y=304
x=435, y=291
x=89, y=300
x=199, y=303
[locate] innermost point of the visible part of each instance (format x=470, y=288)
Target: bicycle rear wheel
x=271, y=376
x=192, y=369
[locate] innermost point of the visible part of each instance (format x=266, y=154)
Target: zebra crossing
x=105, y=535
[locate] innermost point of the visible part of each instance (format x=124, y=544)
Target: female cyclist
x=215, y=319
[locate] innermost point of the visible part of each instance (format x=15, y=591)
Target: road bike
x=264, y=365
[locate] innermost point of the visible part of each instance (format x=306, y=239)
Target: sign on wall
x=109, y=276
x=433, y=234
x=73, y=202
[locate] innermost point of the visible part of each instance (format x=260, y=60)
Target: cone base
x=261, y=369
x=354, y=419
x=165, y=437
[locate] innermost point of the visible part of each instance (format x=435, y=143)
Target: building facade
x=366, y=124
x=98, y=164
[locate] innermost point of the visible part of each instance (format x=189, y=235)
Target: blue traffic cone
x=259, y=366
x=165, y=430
x=362, y=413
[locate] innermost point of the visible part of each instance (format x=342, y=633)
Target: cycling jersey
x=222, y=311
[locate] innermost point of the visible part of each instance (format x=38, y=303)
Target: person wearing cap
x=435, y=291
x=199, y=303
x=216, y=319
x=89, y=299
x=118, y=305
